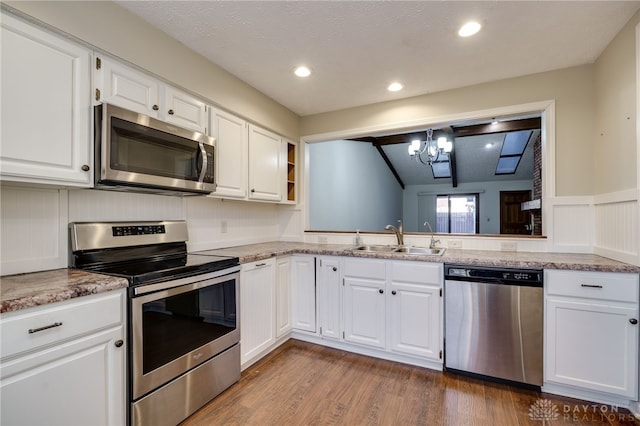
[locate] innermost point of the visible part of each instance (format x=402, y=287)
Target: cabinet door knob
x=633, y=321
x=85, y=168
x=381, y=291
x=155, y=107
x=253, y=190
x=393, y=292
x=334, y=269
x=170, y=112
x=119, y=343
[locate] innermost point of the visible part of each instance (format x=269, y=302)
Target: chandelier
x=429, y=153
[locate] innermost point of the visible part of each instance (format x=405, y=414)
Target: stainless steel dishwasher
x=494, y=323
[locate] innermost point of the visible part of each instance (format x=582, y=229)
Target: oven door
x=177, y=325
x=136, y=150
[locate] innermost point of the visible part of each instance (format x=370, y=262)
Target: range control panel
x=122, y=231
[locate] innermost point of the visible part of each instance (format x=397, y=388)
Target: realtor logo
x=544, y=410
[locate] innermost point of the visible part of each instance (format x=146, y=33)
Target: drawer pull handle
x=590, y=286
x=261, y=264
x=633, y=321
x=46, y=327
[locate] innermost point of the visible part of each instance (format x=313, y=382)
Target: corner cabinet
x=64, y=363
x=303, y=293
x=232, y=154
x=46, y=107
x=283, y=296
x=591, y=333
x=265, y=165
x=257, y=309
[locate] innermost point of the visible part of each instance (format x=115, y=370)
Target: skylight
x=512, y=150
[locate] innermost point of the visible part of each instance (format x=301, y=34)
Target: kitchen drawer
x=375, y=269
x=417, y=273
x=59, y=321
x=593, y=285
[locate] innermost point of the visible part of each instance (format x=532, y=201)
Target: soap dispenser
x=358, y=238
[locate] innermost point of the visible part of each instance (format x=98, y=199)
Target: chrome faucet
x=433, y=242
x=398, y=232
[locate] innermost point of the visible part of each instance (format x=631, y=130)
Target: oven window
x=139, y=149
x=176, y=325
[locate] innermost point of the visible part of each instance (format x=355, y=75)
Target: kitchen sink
x=420, y=250
x=375, y=248
x=403, y=250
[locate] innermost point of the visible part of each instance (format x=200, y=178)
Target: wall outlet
x=223, y=227
x=455, y=244
x=508, y=246
x=322, y=240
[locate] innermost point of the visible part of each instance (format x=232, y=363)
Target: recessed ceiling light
x=489, y=145
x=302, y=71
x=469, y=29
x=394, y=87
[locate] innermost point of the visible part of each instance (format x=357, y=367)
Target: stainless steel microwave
x=139, y=153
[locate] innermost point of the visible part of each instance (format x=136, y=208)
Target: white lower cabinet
x=591, y=332
x=303, y=292
x=388, y=308
x=329, y=290
x=415, y=309
x=365, y=302
x=64, y=363
x=257, y=308
x=283, y=295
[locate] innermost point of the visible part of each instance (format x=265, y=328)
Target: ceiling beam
x=500, y=127
x=386, y=160
x=452, y=165
x=458, y=132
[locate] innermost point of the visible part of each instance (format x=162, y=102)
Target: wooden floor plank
x=306, y=384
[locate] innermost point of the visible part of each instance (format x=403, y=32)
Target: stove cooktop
x=143, y=271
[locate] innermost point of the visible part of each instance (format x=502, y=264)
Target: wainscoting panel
x=216, y=223
x=100, y=205
x=33, y=233
x=617, y=219
x=572, y=225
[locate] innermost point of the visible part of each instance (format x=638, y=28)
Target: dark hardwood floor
x=306, y=384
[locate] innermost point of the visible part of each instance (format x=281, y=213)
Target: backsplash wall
x=34, y=221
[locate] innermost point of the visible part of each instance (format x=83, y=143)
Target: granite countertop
x=40, y=288
x=533, y=260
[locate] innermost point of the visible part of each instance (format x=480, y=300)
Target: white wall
x=489, y=202
x=351, y=187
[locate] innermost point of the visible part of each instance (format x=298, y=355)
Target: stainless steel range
x=183, y=314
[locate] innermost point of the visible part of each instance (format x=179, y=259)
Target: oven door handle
x=165, y=285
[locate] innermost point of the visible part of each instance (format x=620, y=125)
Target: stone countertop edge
x=40, y=288
x=526, y=260
x=28, y=290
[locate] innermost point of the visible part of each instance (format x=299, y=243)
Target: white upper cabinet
x=231, y=157
x=265, y=158
x=126, y=87
x=46, y=107
x=184, y=110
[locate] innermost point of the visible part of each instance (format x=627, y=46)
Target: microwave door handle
x=203, y=162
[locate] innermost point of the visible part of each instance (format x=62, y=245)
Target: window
x=457, y=214
x=512, y=150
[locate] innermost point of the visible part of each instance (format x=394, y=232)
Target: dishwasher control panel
x=488, y=274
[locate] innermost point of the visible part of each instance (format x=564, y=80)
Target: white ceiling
x=356, y=48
